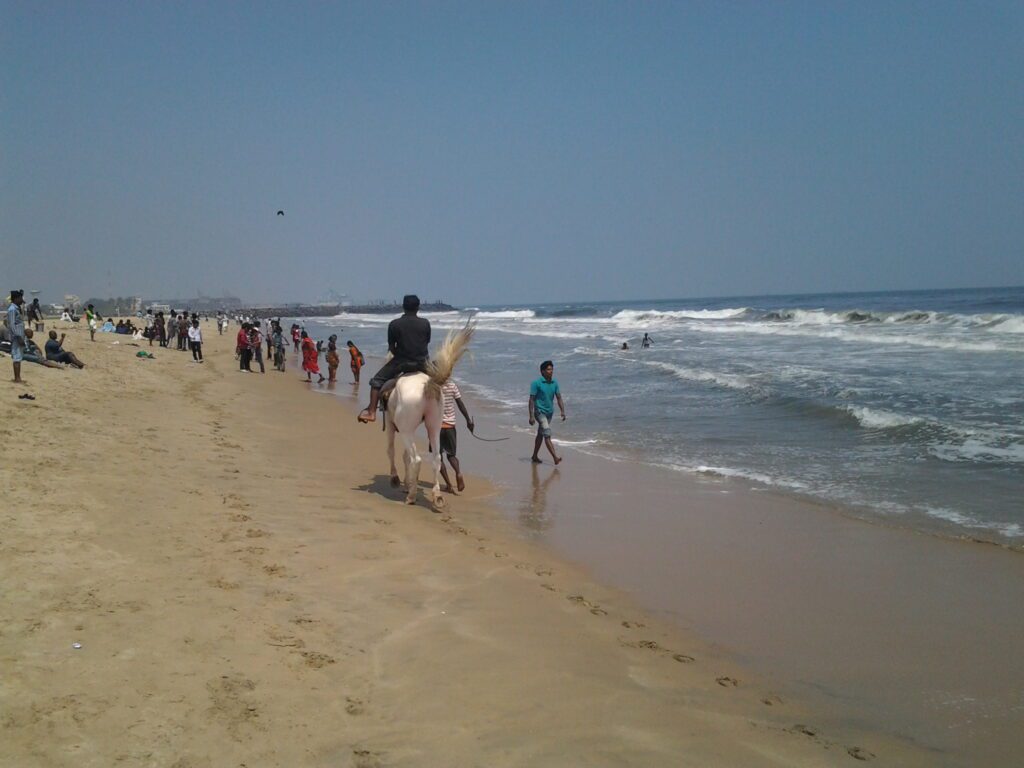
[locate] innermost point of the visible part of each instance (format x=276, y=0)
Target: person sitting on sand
x=357, y=361
x=409, y=344
x=55, y=351
x=449, y=437
x=33, y=354
x=310, y=358
x=542, y=411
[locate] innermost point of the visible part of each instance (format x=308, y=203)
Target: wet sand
x=899, y=631
x=204, y=568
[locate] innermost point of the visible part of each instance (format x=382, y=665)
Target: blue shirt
x=543, y=393
x=16, y=323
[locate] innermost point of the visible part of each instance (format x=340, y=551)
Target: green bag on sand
x=147, y=355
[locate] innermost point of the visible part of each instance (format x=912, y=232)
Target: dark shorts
x=392, y=368
x=449, y=441
x=60, y=357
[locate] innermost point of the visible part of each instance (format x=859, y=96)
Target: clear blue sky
x=488, y=153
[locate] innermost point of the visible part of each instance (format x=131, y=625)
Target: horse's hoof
x=439, y=503
x=411, y=501
x=395, y=481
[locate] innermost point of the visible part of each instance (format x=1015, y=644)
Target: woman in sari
x=310, y=358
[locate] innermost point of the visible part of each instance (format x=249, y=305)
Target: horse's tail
x=440, y=368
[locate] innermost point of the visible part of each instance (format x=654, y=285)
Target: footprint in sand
x=274, y=570
x=381, y=521
x=579, y=600
x=240, y=517
x=317, y=660
x=354, y=706
x=805, y=730
x=597, y=611
x=364, y=758
x=303, y=621
x=682, y=658
x=859, y=753
x=255, y=533
x=771, y=700
x=727, y=682
x=235, y=501
x=544, y=572
x=634, y=625
x=550, y=587
x=222, y=584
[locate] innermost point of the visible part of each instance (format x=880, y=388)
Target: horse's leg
x=412, y=464
x=432, y=419
x=395, y=481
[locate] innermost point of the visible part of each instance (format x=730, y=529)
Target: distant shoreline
x=330, y=310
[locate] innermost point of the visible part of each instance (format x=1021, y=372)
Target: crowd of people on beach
x=408, y=339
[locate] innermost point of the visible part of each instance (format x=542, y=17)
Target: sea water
x=900, y=406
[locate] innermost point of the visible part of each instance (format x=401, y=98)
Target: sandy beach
x=247, y=590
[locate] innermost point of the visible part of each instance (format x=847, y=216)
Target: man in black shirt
x=408, y=342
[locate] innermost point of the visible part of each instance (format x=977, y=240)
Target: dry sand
x=248, y=591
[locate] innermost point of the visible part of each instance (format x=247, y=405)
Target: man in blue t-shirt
x=544, y=392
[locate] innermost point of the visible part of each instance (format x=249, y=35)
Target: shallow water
x=902, y=406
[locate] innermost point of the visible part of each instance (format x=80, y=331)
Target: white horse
x=417, y=399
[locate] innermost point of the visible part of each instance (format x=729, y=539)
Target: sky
x=489, y=153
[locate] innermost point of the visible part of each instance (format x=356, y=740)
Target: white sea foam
x=1009, y=530
x=873, y=418
x=858, y=335
x=743, y=474
x=974, y=450
x=1008, y=324
x=505, y=314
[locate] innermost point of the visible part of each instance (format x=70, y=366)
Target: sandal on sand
x=26, y=396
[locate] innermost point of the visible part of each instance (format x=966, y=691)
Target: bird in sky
x=280, y=213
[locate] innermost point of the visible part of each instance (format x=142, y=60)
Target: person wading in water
x=408, y=342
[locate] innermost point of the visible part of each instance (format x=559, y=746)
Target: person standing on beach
x=542, y=392
x=332, y=357
x=296, y=336
x=242, y=348
x=172, y=327
x=16, y=327
x=280, y=348
x=357, y=361
x=91, y=317
x=195, y=341
x=409, y=344
x=449, y=442
x=256, y=345
x=35, y=315
x=310, y=358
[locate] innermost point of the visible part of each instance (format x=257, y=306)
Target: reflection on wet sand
x=533, y=513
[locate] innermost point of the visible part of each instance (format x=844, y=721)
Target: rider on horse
x=408, y=342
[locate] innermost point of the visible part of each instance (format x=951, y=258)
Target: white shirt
x=451, y=393
x=195, y=334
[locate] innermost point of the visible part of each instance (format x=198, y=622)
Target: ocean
x=902, y=407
